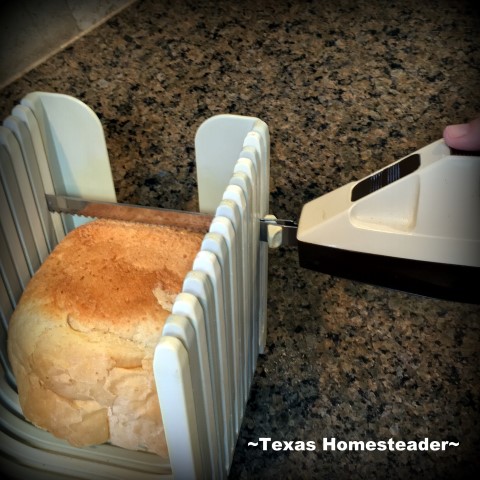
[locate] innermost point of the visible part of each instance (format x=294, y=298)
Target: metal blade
x=278, y=232
x=130, y=213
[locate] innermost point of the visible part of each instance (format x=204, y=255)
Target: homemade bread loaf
x=82, y=338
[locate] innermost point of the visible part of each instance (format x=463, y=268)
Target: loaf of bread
x=82, y=338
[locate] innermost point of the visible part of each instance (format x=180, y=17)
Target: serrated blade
x=129, y=213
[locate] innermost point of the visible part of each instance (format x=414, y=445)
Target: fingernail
x=457, y=131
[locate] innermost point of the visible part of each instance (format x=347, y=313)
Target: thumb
x=464, y=136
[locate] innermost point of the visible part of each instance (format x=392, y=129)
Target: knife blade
x=272, y=230
x=128, y=212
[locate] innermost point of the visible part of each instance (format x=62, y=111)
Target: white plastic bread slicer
x=206, y=358
x=413, y=225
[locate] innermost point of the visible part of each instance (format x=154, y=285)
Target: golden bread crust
x=82, y=338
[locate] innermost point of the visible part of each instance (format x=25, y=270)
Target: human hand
x=464, y=136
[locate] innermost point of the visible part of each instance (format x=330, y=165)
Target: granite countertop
x=346, y=88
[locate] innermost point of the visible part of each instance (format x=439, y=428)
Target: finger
x=464, y=136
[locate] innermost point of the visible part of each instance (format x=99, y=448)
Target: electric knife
x=413, y=225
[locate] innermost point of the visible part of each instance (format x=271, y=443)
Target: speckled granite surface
x=345, y=87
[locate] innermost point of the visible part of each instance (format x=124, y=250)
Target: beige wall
x=31, y=31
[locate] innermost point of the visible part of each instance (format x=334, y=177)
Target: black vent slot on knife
x=464, y=153
x=386, y=177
